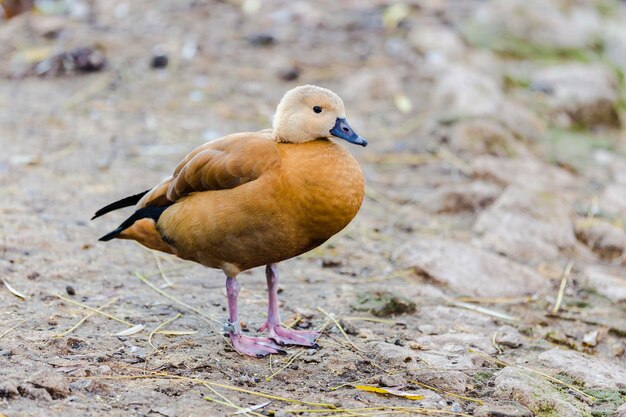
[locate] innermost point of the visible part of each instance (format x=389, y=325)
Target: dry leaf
x=389, y=391
x=130, y=331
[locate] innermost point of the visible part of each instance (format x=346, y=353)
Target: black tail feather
x=124, y=202
x=143, y=213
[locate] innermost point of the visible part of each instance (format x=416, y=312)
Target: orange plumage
x=253, y=199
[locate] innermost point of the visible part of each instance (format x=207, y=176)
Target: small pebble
x=289, y=74
x=159, y=61
x=414, y=345
x=70, y=290
x=365, y=334
x=330, y=263
x=391, y=381
x=591, y=338
x=88, y=59
x=261, y=39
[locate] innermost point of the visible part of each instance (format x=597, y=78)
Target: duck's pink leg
x=278, y=333
x=251, y=346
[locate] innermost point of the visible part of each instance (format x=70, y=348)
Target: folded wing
x=222, y=164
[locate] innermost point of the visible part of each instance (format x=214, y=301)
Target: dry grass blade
x=373, y=413
x=168, y=270
x=334, y=320
x=9, y=330
x=95, y=310
x=241, y=410
x=594, y=207
x=293, y=321
x=176, y=300
x=495, y=343
x=168, y=283
x=559, y=298
x=452, y=394
x=446, y=155
x=496, y=300
x=289, y=362
x=14, y=291
x=229, y=403
x=484, y=310
x=431, y=411
x=84, y=319
x=395, y=274
x=372, y=319
x=159, y=327
x=176, y=332
x=99, y=85
x=165, y=375
x=546, y=376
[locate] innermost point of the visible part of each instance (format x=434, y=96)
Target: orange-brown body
x=258, y=202
x=252, y=199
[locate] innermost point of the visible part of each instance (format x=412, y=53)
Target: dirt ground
x=483, y=276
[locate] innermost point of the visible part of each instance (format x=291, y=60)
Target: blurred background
x=496, y=180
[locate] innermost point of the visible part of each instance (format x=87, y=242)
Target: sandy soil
x=72, y=143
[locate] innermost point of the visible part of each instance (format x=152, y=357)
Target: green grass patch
x=573, y=149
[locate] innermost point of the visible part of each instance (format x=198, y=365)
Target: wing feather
x=222, y=164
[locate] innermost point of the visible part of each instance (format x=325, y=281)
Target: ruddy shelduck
x=256, y=198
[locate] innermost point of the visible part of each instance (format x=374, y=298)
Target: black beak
x=343, y=130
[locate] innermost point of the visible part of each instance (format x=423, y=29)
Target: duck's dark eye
x=317, y=109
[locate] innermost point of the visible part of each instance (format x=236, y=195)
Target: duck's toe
x=255, y=346
x=285, y=337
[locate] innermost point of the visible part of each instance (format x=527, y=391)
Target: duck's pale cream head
x=309, y=112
